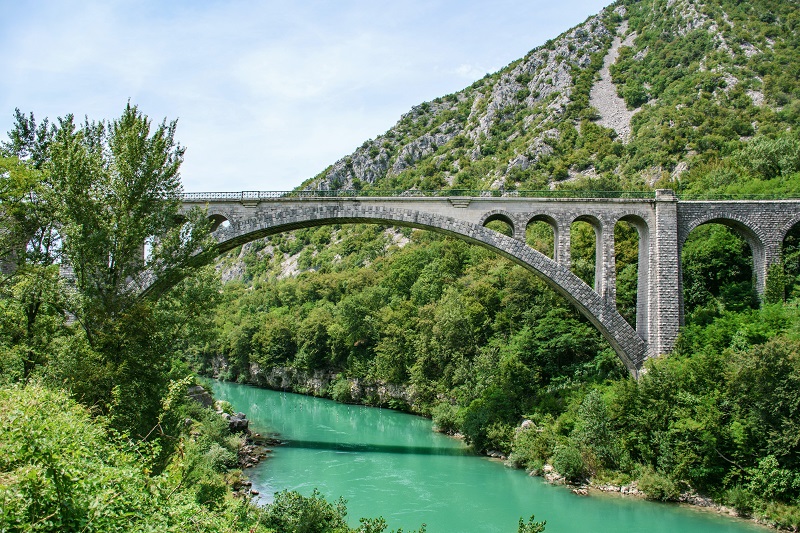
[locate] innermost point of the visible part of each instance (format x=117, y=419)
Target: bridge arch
x=501, y=216
x=629, y=346
x=217, y=220
x=787, y=227
x=746, y=229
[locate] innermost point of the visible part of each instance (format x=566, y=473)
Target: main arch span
x=662, y=221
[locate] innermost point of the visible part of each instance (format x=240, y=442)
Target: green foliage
x=568, y=461
x=767, y=158
x=658, y=486
x=531, y=526
x=740, y=499
x=63, y=470
x=775, y=287
x=534, y=446
x=717, y=270
x=293, y=513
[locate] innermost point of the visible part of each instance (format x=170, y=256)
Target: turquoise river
x=391, y=464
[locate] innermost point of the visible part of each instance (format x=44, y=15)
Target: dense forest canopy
x=456, y=332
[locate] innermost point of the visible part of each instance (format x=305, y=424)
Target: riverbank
x=689, y=499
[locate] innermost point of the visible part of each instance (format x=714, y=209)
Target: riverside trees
x=85, y=199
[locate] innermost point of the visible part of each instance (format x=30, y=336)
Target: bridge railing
x=722, y=197
x=411, y=193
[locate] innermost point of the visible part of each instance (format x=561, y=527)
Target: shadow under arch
x=630, y=348
x=217, y=220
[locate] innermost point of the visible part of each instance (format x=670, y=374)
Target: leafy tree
x=31, y=298
x=90, y=197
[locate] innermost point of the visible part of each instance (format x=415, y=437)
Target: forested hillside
x=411, y=320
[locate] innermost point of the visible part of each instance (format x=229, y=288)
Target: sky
x=267, y=94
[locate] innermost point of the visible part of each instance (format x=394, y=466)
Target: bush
x=294, y=513
x=772, y=482
x=340, y=391
x=740, y=499
x=658, y=486
x=783, y=516
x=567, y=460
x=219, y=458
x=446, y=418
x=532, y=446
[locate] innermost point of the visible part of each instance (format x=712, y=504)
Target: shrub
x=340, y=390
x=532, y=446
x=567, y=460
x=658, y=486
x=219, y=458
x=446, y=418
x=783, y=516
x=772, y=482
x=740, y=499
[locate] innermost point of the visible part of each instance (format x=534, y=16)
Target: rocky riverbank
x=632, y=490
x=254, y=448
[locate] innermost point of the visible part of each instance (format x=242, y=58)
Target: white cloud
x=470, y=72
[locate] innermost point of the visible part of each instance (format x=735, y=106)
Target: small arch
x=633, y=270
x=790, y=261
x=217, y=221
x=541, y=234
x=499, y=221
x=741, y=227
x=586, y=234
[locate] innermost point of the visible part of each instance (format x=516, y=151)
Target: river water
x=391, y=464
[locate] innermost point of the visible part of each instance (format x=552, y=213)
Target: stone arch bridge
x=662, y=221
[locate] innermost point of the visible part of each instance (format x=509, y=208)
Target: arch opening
x=585, y=246
x=218, y=221
x=789, y=281
x=541, y=234
x=500, y=223
x=719, y=260
x=631, y=258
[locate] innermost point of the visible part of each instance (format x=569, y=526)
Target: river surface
x=391, y=464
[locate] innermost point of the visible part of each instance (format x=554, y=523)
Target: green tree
x=118, y=187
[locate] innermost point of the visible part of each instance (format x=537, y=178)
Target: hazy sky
x=266, y=94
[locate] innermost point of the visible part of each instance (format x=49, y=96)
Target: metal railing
x=722, y=197
x=410, y=193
